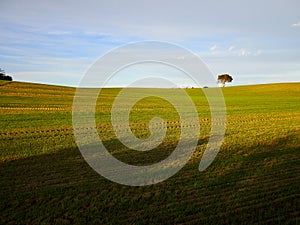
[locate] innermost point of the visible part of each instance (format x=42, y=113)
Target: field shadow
x=61, y=188
x=263, y=184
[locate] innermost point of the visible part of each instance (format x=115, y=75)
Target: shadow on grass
x=261, y=187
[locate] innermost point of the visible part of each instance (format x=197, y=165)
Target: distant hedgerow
x=3, y=76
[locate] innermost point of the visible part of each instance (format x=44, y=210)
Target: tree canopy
x=3, y=76
x=224, y=78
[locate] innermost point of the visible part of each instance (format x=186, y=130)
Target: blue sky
x=56, y=41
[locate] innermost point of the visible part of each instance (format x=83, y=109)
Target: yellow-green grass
x=254, y=178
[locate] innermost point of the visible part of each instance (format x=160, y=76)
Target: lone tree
x=223, y=78
x=3, y=76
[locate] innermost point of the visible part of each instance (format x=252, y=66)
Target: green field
x=253, y=180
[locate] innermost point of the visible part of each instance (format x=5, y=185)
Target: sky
x=57, y=41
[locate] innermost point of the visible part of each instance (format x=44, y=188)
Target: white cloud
x=244, y=52
x=257, y=53
x=58, y=32
x=251, y=70
x=213, y=48
x=181, y=57
x=231, y=48
x=296, y=24
x=233, y=51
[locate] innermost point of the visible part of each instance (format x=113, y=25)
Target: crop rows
x=172, y=125
x=36, y=109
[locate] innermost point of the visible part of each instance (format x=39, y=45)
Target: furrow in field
x=221, y=199
x=247, y=183
x=36, y=109
x=223, y=208
x=247, y=213
x=248, y=197
x=102, y=128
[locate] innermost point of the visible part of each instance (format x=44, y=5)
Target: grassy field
x=253, y=180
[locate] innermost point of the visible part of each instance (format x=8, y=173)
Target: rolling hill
x=253, y=180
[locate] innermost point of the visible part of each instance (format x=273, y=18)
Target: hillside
x=253, y=180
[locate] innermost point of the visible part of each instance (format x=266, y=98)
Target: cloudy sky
x=55, y=41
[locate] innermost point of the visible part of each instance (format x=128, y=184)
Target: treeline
x=3, y=76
